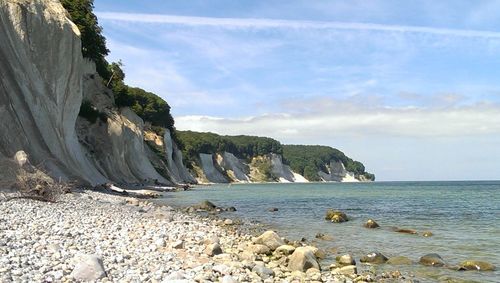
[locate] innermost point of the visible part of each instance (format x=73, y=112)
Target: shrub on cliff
x=89, y=112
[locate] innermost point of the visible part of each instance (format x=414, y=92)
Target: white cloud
x=453, y=122
x=256, y=23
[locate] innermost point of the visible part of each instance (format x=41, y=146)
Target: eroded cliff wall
x=43, y=79
x=41, y=87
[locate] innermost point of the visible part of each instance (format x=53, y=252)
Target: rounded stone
x=374, y=258
x=346, y=259
x=371, y=224
x=432, y=260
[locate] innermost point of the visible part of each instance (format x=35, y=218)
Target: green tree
x=93, y=42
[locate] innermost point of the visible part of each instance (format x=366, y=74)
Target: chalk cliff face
x=41, y=87
x=43, y=79
x=225, y=167
x=235, y=168
x=210, y=170
x=337, y=173
x=178, y=172
x=280, y=170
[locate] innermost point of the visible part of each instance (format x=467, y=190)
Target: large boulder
x=269, y=239
x=432, y=260
x=88, y=268
x=476, y=265
x=336, y=216
x=374, y=258
x=302, y=259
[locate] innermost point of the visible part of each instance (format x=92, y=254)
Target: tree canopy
x=245, y=147
x=308, y=160
x=93, y=42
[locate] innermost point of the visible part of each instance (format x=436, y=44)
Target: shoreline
x=135, y=240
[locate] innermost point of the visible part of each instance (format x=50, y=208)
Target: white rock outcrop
x=337, y=173
x=212, y=174
x=235, y=168
x=178, y=172
x=283, y=172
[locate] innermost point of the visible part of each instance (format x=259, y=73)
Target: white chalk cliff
x=337, y=173
x=43, y=78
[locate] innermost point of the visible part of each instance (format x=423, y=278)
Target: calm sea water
x=464, y=217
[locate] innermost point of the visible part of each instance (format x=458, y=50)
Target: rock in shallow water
x=476, y=265
x=374, y=258
x=324, y=237
x=400, y=260
x=405, y=231
x=336, y=216
x=432, y=260
x=427, y=234
x=371, y=224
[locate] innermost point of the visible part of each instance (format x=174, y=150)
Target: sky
x=409, y=88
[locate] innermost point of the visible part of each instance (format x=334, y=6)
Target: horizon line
x=263, y=23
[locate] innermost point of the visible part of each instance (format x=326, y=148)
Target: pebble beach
x=98, y=237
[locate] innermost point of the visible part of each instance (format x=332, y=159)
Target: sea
x=464, y=218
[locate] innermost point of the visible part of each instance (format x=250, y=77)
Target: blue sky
x=410, y=88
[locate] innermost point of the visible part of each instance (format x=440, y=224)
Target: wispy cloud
x=257, y=23
x=456, y=122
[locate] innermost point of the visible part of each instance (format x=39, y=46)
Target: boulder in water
x=374, y=258
x=405, y=231
x=205, y=205
x=432, y=260
x=324, y=237
x=371, y=224
x=427, y=234
x=476, y=265
x=400, y=260
x=336, y=216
